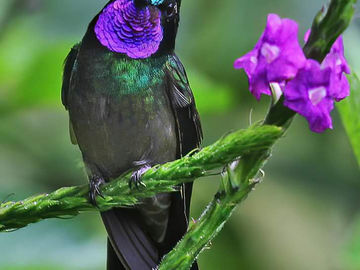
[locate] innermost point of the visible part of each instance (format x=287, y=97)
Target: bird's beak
x=149, y=2
x=155, y=2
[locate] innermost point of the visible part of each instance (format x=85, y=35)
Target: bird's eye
x=170, y=10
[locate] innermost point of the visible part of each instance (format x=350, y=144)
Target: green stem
x=211, y=222
x=163, y=178
x=197, y=237
x=328, y=25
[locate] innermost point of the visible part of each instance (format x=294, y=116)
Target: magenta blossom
x=276, y=57
x=309, y=88
x=308, y=95
x=339, y=86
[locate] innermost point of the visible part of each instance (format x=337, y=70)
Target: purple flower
x=340, y=87
x=308, y=94
x=336, y=61
x=276, y=58
x=309, y=88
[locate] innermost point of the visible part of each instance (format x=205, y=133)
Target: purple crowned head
x=138, y=28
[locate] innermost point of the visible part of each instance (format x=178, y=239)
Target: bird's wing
x=189, y=138
x=69, y=66
x=183, y=103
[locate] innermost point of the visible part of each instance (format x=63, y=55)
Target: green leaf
x=350, y=113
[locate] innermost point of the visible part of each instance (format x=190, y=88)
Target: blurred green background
x=305, y=215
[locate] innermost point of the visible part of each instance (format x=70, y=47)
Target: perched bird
x=131, y=107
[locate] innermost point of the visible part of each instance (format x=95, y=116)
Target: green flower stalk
x=162, y=178
x=328, y=25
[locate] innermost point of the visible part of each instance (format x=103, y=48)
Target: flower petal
x=308, y=95
x=276, y=57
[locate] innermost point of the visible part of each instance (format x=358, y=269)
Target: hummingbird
x=131, y=107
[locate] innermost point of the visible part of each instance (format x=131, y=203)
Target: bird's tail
x=130, y=247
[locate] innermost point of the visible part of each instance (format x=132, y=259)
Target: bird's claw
x=135, y=179
x=95, y=183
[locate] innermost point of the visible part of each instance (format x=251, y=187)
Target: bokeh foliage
x=304, y=216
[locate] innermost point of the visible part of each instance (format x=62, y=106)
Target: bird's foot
x=136, y=176
x=95, y=183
